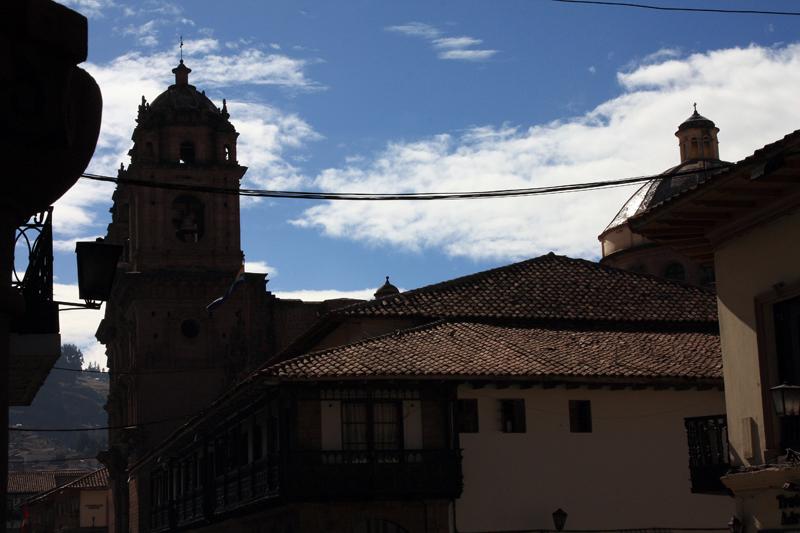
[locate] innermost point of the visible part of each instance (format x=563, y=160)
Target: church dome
x=182, y=103
x=387, y=289
x=696, y=121
x=182, y=98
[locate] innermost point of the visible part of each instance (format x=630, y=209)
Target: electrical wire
x=686, y=9
x=97, y=428
x=63, y=460
x=415, y=196
x=137, y=372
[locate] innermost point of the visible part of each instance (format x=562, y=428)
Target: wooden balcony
x=384, y=474
x=304, y=476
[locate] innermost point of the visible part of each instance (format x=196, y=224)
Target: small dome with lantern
x=387, y=289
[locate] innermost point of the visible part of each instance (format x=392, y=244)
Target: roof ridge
x=451, y=282
x=395, y=333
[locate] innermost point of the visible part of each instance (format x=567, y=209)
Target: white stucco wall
x=751, y=265
x=630, y=472
x=94, y=508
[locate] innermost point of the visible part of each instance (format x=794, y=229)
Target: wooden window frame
x=513, y=415
x=369, y=403
x=768, y=360
x=464, y=425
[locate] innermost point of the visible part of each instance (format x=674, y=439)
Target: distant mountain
x=68, y=399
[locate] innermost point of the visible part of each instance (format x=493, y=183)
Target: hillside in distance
x=68, y=399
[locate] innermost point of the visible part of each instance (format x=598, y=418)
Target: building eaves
x=474, y=351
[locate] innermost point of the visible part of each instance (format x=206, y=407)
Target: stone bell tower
x=168, y=357
x=184, y=141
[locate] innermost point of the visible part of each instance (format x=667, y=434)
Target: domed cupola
x=697, y=138
x=182, y=125
x=387, y=289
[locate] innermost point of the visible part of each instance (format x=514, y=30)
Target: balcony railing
x=374, y=474
x=396, y=474
x=35, y=239
x=707, y=438
x=238, y=487
x=247, y=484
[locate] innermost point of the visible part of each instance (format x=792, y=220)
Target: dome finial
x=695, y=107
x=181, y=47
x=387, y=289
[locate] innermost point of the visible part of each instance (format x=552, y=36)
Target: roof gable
x=550, y=287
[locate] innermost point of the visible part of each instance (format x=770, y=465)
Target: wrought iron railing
x=225, y=492
x=35, y=238
x=707, y=438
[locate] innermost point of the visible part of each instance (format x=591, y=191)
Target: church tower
x=624, y=248
x=169, y=357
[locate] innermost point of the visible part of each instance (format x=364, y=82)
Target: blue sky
x=421, y=95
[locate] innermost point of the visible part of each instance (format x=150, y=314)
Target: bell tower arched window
x=187, y=154
x=227, y=152
x=188, y=218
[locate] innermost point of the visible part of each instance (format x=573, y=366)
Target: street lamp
x=786, y=399
x=97, y=264
x=559, y=518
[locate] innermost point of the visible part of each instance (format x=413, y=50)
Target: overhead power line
x=686, y=9
x=412, y=196
x=61, y=460
x=138, y=372
x=96, y=428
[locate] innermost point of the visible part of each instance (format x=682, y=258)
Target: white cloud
x=319, y=295
x=89, y=8
x=592, y=69
x=68, y=245
x=146, y=34
x=453, y=48
x=79, y=326
x=467, y=55
x=267, y=132
x=260, y=267
x=416, y=29
x=751, y=93
x=456, y=42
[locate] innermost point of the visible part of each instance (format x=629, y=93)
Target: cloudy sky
x=430, y=96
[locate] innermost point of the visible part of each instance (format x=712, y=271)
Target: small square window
x=580, y=416
x=512, y=416
x=467, y=416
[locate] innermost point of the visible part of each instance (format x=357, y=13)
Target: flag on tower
x=221, y=300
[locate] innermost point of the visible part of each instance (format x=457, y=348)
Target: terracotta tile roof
x=475, y=350
x=94, y=480
x=29, y=482
x=91, y=480
x=550, y=287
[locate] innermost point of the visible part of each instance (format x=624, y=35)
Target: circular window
x=190, y=329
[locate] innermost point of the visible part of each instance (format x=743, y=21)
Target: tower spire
x=181, y=47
